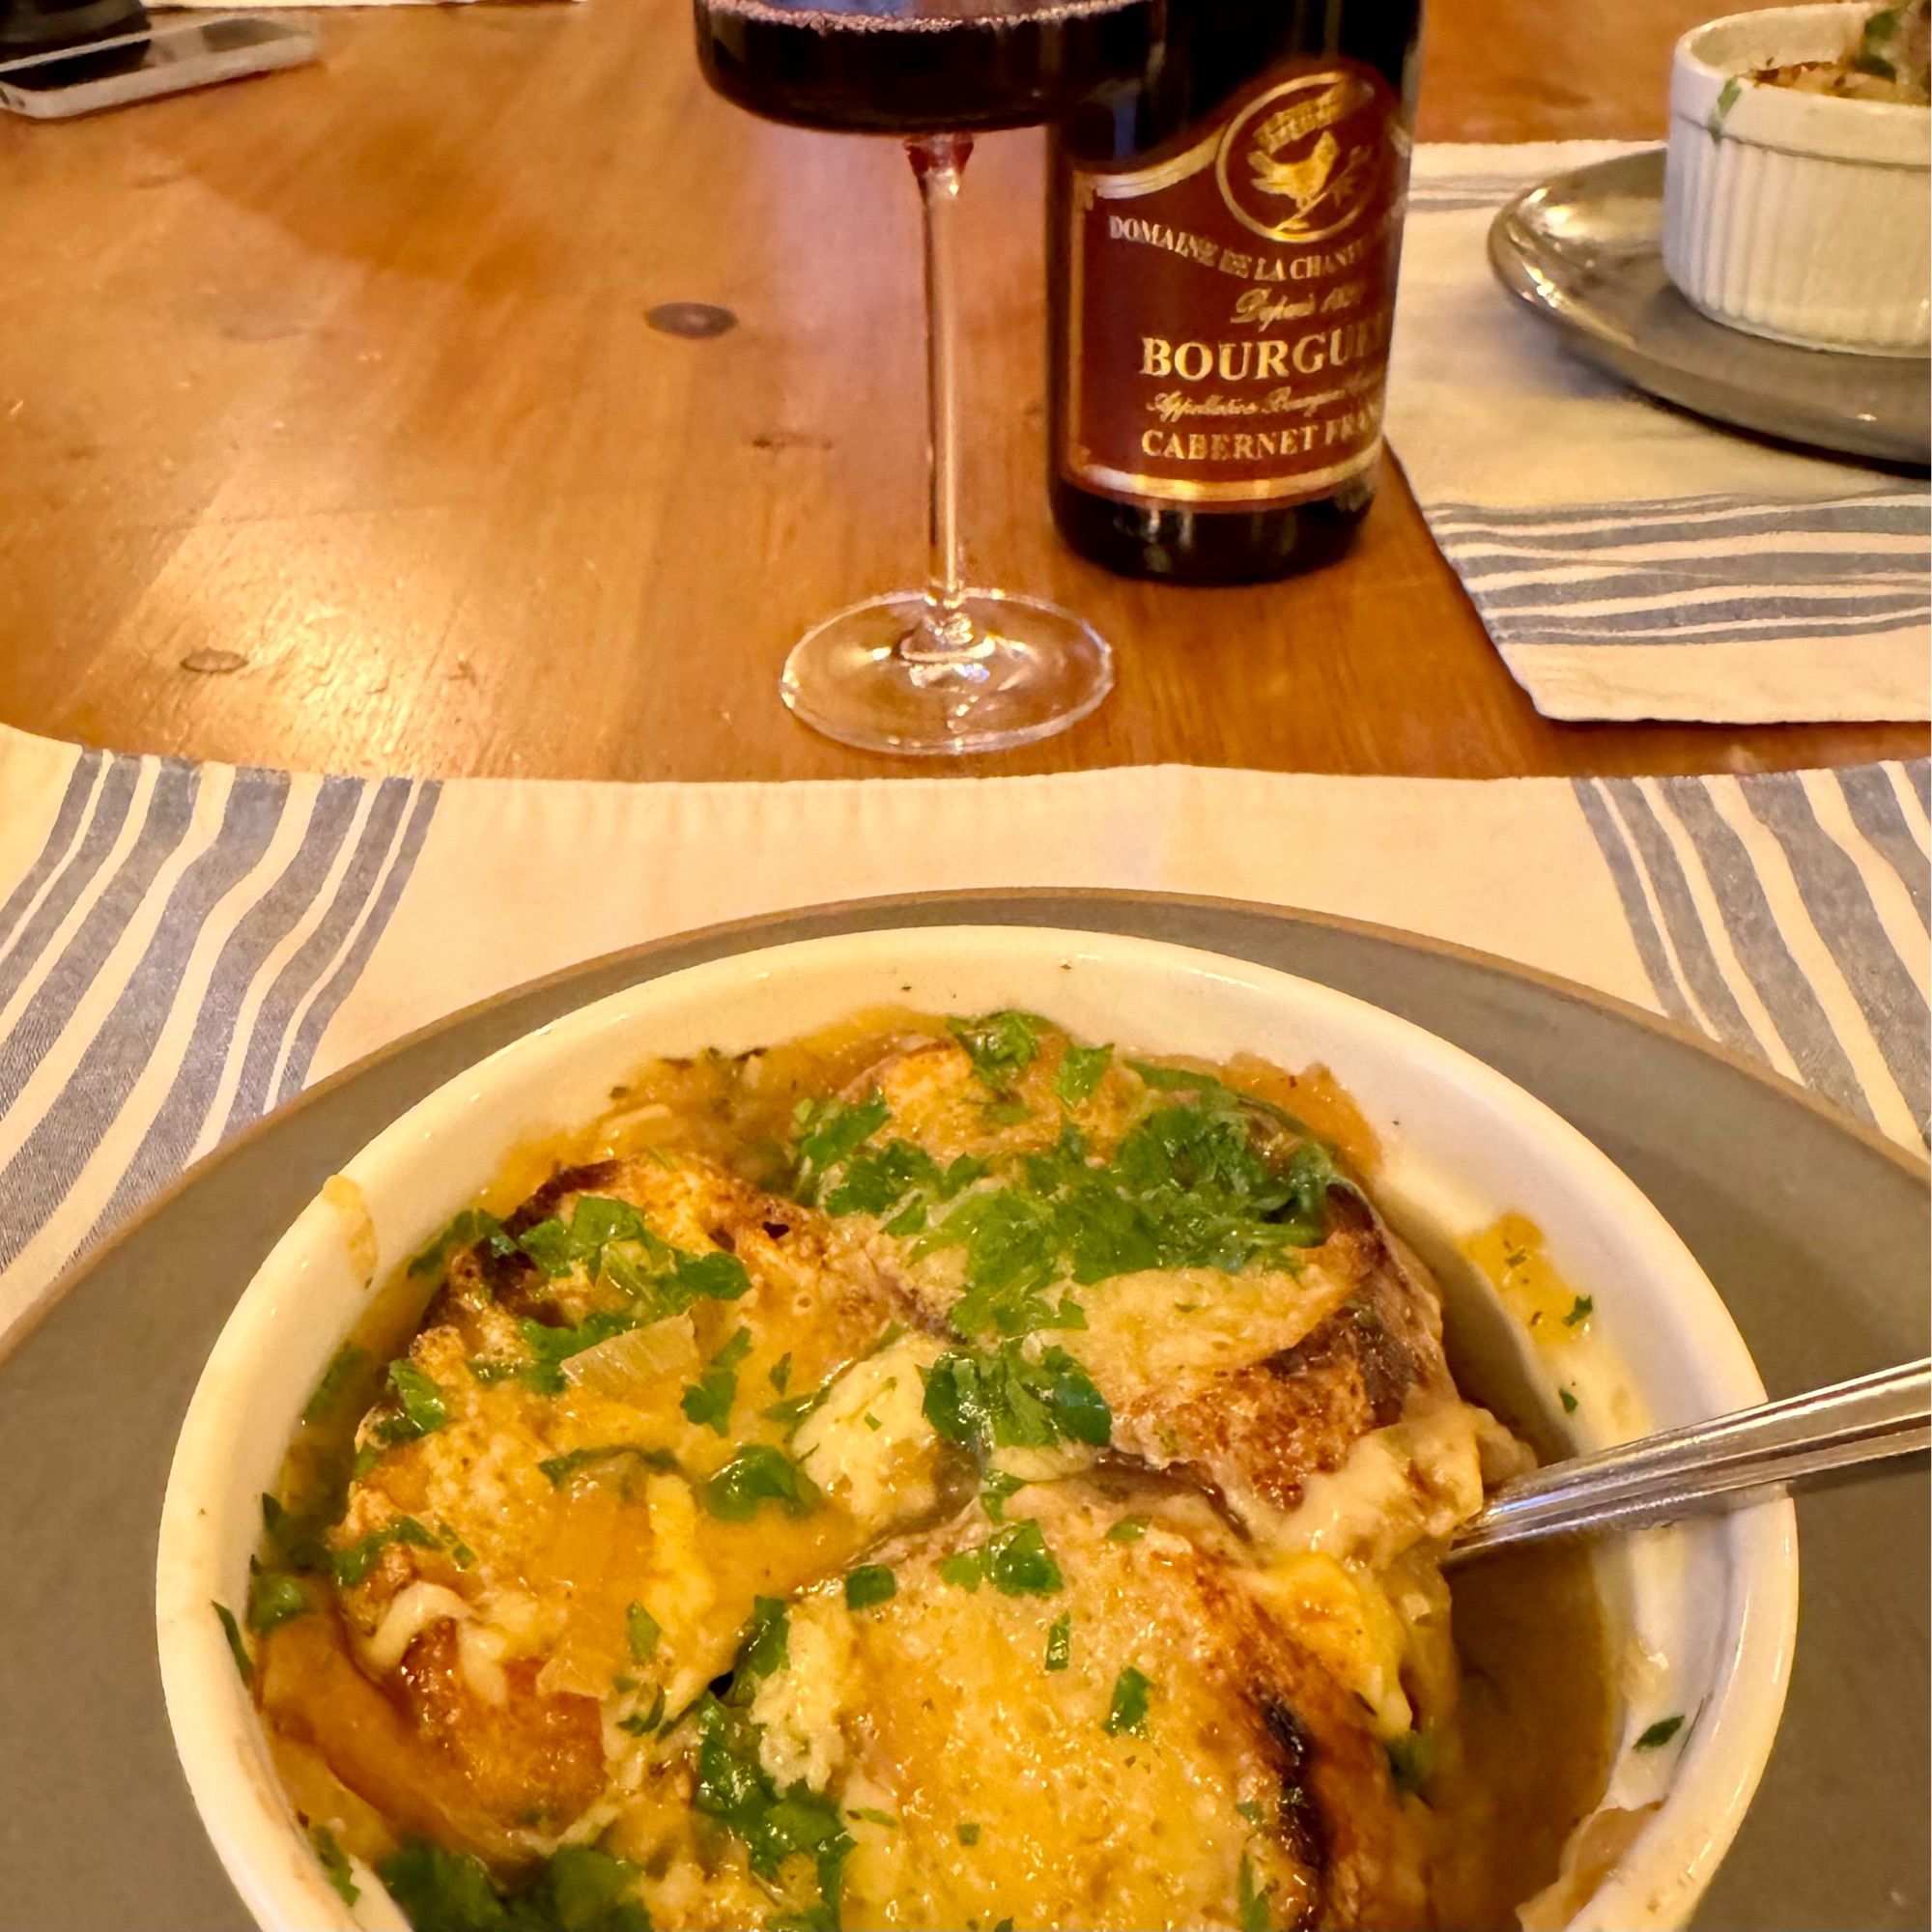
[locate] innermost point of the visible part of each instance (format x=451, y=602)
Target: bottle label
x=1228, y=307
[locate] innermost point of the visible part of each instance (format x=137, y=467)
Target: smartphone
x=160, y=59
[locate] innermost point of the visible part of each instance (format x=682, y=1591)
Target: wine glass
x=951, y=668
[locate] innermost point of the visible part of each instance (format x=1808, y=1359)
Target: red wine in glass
x=951, y=667
x=916, y=67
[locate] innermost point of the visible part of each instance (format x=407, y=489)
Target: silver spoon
x=1708, y=1466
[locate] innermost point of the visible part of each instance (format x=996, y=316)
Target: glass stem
x=938, y=162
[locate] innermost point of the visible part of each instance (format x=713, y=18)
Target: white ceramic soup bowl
x=1702, y=1617
x=1801, y=217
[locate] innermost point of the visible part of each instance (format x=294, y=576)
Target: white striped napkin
x=1629, y=560
x=184, y=946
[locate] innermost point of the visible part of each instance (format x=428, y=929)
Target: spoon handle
x=1714, y=1464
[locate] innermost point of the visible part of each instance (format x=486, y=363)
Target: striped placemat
x=1630, y=560
x=183, y=947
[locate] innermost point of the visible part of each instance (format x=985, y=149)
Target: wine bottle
x=1222, y=241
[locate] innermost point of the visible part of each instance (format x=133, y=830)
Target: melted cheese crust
x=549, y=1584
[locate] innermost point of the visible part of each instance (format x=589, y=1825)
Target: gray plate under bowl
x=1816, y=1233
x=1583, y=252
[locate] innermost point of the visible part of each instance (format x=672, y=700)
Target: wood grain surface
x=332, y=432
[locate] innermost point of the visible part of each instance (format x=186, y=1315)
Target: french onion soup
x=935, y=1473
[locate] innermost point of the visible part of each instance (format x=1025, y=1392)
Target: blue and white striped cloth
x=183, y=948
x=1629, y=560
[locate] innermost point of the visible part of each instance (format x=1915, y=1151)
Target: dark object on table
x=1738, y=1160
x=51, y=26
x=113, y=66
x=1582, y=250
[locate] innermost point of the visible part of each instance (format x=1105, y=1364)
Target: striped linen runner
x=1629, y=560
x=183, y=948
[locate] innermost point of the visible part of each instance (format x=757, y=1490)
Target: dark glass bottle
x=1222, y=238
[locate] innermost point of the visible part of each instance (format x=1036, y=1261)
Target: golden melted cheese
x=940, y=1705
x=549, y=1583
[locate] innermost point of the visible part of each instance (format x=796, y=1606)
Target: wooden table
x=332, y=433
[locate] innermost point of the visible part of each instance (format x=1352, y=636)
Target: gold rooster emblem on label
x=1304, y=178
x=1303, y=182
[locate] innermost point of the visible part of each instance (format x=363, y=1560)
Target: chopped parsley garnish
x=868, y=1584
x=911, y=1220
x=471, y=1226
x=1187, y=1188
x=1079, y=1073
x=579, y=1889
x=758, y=1474
x=422, y=1407
x=1568, y=1398
x=597, y=1221
x=1412, y=1761
x=1060, y=1642
x=793, y=1411
x=1003, y=1399
x=583, y=1890
x=779, y=1372
x=1176, y=1079
x=969, y=1833
x=1727, y=98
x=237, y=1649
x=1015, y=1561
x=1129, y=1529
x=641, y=1632
x=274, y=1597
x=335, y=1863
x=1014, y=1246
x=349, y=1366
x=1019, y=1564
x=551, y=1347
x=766, y=1644
x=828, y=1132
x=1252, y=1899
x=1580, y=1311
x=600, y=1456
x=734, y=1787
x=609, y=1240
x=1001, y=1046
x=437, y=1889
x=1253, y=1813
x=294, y=1539
x=965, y=1570
x=998, y=1486
x=872, y=1815
x=877, y=1179
x=1208, y=1198
x=1661, y=1733
x=355, y=1563
x=642, y=1724
x=708, y=1401
x=1128, y=1709
x=716, y=1276
x=900, y=1180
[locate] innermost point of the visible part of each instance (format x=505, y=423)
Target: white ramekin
x=1800, y=216
x=1701, y=1616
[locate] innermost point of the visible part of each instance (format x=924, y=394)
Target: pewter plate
x=1584, y=252
x=1815, y=1232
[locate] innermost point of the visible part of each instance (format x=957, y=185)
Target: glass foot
x=1017, y=668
